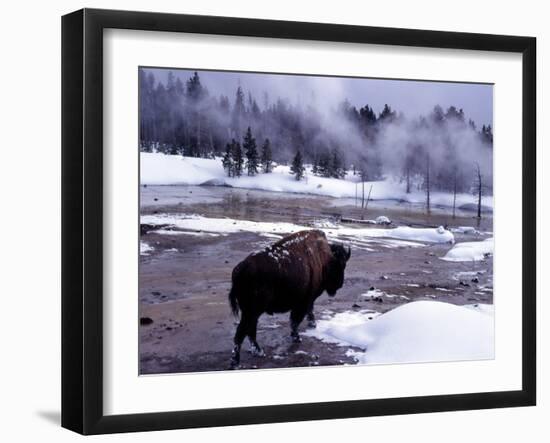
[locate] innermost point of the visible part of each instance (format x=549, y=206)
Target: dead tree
x=428, y=207
x=408, y=176
x=454, y=193
x=478, y=190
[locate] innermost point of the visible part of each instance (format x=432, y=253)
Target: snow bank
x=470, y=251
x=428, y=235
x=161, y=169
x=199, y=224
x=422, y=331
x=383, y=220
x=144, y=248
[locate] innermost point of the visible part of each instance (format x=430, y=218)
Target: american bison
x=287, y=276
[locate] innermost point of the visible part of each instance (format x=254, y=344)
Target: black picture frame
x=82, y=218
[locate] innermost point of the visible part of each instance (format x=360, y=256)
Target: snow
x=161, y=169
x=470, y=251
x=192, y=233
x=144, y=248
x=420, y=331
x=206, y=226
x=373, y=293
x=200, y=225
x=383, y=220
x=429, y=235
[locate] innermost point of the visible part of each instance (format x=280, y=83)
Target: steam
x=313, y=114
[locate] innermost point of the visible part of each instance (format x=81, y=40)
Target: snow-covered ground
x=422, y=331
x=196, y=224
x=144, y=248
x=161, y=169
x=470, y=251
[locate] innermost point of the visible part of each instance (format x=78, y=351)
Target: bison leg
x=296, y=318
x=311, y=323
x=238, y=340
x=255, y=347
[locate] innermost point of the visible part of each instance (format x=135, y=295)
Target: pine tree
x=387, y=114
x=239, y=111
x=336, y=166
x=266, y=159
x=315, y=167
x=297, y=167
x=227, y=161
x=251, y=153
x=323, y=165
x=237, y=157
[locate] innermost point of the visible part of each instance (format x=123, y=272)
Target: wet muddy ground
x=185, y=320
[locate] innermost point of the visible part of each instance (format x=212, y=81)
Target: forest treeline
x=442, y=150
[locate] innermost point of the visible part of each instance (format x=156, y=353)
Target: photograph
x=294, y=220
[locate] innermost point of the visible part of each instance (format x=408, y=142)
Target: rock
x=372, y=288
x=432, y=285
x=355, y=306
x=157, y=293
x=427, y=262
x=475, y=280
x=156, y=199
x=144, y=321
x=384, y=277
x=464, y=284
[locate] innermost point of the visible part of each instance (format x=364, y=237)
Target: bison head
x=335, y=273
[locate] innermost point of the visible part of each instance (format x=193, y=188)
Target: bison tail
x=233, y=301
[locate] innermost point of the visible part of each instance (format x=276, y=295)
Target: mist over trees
x=441, y=151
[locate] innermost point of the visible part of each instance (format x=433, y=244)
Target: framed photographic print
x=270, y=221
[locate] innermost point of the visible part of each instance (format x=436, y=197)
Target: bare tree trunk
x=479, y=187
x=428, y=207
x=363, y=194
x=454, y=195
x=368, y=198
x=199, y=134
x=408, y=180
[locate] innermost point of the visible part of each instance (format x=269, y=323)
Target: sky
x=413, y=98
